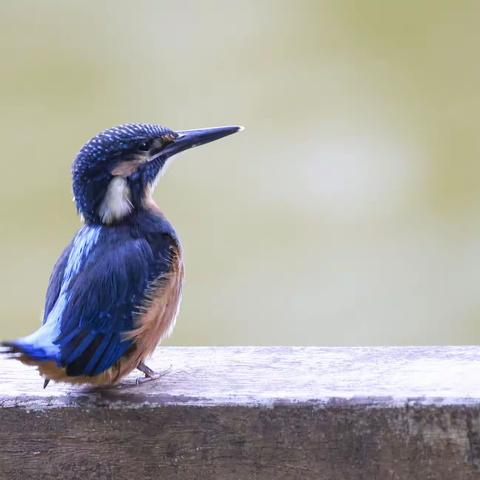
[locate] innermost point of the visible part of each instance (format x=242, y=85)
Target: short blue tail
x=32, y=351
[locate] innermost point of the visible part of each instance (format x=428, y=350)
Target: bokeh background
x=348, y=211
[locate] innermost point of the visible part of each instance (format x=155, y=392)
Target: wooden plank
x=254, y=412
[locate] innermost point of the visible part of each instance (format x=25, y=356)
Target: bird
x=115, y=291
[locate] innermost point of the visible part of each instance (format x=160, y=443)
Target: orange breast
x=157, y=315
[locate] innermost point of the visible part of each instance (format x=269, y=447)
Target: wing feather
x=93, y=296
x=103, y=300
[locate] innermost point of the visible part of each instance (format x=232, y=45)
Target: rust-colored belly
x=157, y=315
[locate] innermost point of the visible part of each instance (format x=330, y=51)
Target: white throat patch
x=117, y=201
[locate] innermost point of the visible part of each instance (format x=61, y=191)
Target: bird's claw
x=150, y=375
x=147, y=378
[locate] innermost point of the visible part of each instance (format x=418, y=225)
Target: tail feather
x=17, y=349
x=5, y=348
x=10, y=354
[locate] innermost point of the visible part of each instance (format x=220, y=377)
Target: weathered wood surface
x=253, y=413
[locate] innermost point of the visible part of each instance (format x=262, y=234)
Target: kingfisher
x=116, y=289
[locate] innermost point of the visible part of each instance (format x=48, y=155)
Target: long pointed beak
x=193, y=138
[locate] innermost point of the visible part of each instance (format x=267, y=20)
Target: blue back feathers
x=96, y=287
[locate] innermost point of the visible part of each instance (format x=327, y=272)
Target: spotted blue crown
x=90, y=167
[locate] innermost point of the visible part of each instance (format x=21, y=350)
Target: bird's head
x=115, y=172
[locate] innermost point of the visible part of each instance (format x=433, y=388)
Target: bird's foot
x=150, y=375
x=150, y=378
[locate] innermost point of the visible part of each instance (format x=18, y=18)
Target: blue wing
x=55, y=282
x=94, y=291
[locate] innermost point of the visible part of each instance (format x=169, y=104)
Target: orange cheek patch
x=124, y=169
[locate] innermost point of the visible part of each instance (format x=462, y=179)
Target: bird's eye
x=145, y=146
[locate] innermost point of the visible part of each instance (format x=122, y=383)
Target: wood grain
x=253, y=412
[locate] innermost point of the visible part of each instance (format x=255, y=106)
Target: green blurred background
x=348, y=211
